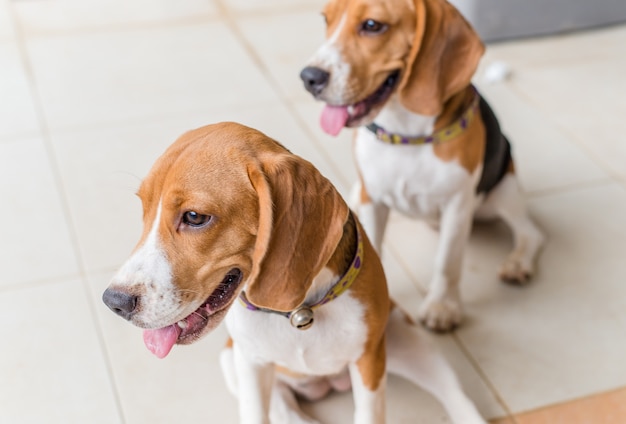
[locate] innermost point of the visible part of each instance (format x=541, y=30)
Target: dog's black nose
x=121, y=303
x=315, y=79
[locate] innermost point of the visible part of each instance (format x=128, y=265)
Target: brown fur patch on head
x=469, y=147
x=371, y=57
x=444, y=55
x=300, y=224
x=205, y=171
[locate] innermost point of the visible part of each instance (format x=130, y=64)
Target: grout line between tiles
x=122, y=26
x=146, y=120
x=464, y=350
x=459, y=342
x=599, y=182
x=276, y=9
x=231, y=22
x=58, y=182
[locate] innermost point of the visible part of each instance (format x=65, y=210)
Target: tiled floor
x=91, y=92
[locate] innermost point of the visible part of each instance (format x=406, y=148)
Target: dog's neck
x=397, y=119
x=338, y=264
x=334, y=279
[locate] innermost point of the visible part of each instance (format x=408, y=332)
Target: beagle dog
x=427, y=144
x=237, y=228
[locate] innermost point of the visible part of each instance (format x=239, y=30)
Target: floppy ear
x=444, y=56
x=301, y=218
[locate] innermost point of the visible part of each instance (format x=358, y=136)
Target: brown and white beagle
x=427, y=144
x=237, y=228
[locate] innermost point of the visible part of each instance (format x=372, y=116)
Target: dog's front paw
x=514, y=271
x=441, y=315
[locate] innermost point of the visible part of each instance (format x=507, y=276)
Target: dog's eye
x=195, y=219
x=370, y=26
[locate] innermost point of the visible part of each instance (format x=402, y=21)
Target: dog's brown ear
x=444, y=56
x=301, y=220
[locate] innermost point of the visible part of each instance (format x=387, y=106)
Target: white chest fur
x=336, y=338
x=408, y=178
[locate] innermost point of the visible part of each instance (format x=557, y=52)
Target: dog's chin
x=200, y=322
x=209, y=325
x=362, y=112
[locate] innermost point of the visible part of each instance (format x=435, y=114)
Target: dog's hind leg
x=507, y=202
x=411, y=356
x=285, y=407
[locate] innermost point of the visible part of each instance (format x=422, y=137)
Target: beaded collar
x=302, y=317
x=451, y=131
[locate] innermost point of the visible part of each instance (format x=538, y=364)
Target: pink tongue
x=160, y=341
x=334, y=118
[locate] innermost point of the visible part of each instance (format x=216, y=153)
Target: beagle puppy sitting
x=427, y=145
x=237, y=228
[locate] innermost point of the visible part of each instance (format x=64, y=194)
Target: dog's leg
x=373, y=216
x=410, y=355
x=507, y=201
x=441, y=310
x=227, y=363
x=255, y=382
x=368, y=388
x=284, y=406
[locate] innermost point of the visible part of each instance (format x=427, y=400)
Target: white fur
x=333, y=344
x=149, y=272
x=414, y=181
x=329, y=58
x=325, y=352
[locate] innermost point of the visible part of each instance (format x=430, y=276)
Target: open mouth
x=200, y=321
x=334, y=118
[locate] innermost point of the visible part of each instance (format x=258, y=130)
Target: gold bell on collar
x=302, y=318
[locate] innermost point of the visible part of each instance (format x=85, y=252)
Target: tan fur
x=373, y=293
x=443, y=58
x=468, y=148
x=372, y=57
x=290, y=190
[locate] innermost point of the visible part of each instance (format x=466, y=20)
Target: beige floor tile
x=286, y=49
x=129, y=75
x=17, y=105
x=52, y=367
x=37, y=17
x=34, y=237
x=546, y=157
x=575, y=81
x=597, y=44
x=102, y=170
x=256, y=6
x=598, y=88
x=559, y=338
x=6, y=22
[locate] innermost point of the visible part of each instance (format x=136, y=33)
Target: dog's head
x=225, y=208
x=423, y=50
